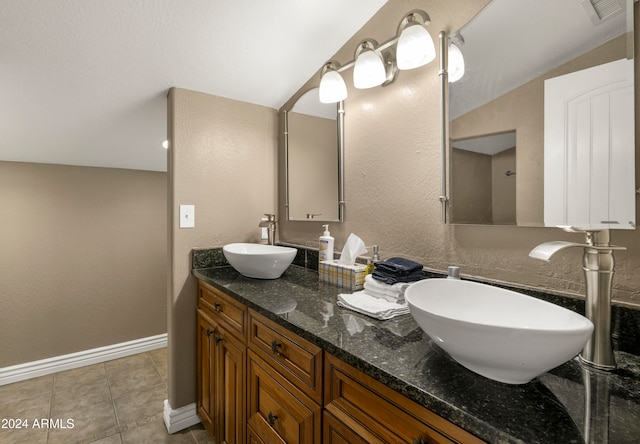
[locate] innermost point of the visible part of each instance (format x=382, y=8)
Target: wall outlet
x=187, y=216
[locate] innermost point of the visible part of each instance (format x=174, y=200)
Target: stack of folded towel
x=390, y=292
x=397, y=269
x=383, y=294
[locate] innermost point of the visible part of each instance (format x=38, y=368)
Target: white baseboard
x=56, y=364
x=183, y=417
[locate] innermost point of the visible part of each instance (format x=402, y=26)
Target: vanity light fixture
x=456, y=59
x=376, y=65
x=369, y=69
x=332, y=86
x=415, y=45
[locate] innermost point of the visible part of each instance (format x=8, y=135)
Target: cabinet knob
x=217, y=339
x=418, y=440
x=217, y=306
x=209, y=333
x=271, y=418
x=275, y=347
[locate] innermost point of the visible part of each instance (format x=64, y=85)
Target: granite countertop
x=569, y=404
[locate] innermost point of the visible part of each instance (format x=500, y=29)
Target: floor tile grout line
x=60, y=381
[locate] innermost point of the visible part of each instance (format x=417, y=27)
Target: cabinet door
x=205, y=371
x=277, y=411
x=231, y=388
x=252, y=436
x=335, y=431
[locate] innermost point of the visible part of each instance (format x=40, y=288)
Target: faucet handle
x=270, y=217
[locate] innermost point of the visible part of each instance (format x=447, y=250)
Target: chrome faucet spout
x=270, y=224
x=598, y=267
x=545, y=250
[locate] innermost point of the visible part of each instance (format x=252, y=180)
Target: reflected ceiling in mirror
x=511, y=42
x=312, y=151
x=509, y=49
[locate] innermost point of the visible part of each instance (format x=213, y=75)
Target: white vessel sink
x=500, y=334
x=258, y=260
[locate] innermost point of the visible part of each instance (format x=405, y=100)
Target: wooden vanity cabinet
x=285, y=384
x=221, y=365
x=259, y=382
x=360, y=409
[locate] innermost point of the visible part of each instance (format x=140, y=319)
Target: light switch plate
x=187, y=216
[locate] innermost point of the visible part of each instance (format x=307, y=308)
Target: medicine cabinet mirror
x=510, y=48
x=313, y=143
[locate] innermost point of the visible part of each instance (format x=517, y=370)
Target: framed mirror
x=314, y=138
x=510, y=48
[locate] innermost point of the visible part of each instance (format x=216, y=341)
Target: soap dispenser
x=326, y=245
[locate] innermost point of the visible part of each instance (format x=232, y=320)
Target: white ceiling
x=85, y=82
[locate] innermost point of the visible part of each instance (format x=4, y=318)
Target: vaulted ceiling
x=85, y=82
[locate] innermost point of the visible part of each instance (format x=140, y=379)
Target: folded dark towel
x=394, y=278
x=398, y=265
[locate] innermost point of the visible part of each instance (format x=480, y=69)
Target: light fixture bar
x=379, y=49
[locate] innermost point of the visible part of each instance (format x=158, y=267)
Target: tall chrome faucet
x=598, y=264
x=270, y=225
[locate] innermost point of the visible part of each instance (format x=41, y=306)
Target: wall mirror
x=510, y=48
x=314, y=138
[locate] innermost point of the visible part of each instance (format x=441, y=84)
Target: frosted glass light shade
x=455, y=66
x=332, y=87
x=369, y=70
x=415, y=47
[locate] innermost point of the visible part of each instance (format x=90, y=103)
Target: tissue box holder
x=348, y=276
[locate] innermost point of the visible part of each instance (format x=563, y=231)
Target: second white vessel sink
x=500, y=334
x=258, y=260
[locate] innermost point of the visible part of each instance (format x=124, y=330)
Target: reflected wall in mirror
x=510, y=48
x=313, y=146
x=484, y=186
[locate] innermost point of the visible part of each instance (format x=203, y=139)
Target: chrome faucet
x=598, y=264
x=270, y=225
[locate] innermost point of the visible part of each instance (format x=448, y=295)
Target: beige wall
x=82, y=261
x=222, y=159
x=471, y=188
x=503, y=187
x=393, y=181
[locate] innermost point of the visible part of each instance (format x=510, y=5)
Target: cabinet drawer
x=298, y=360
x=378, y=414
x=223, y=309
x=278, y=412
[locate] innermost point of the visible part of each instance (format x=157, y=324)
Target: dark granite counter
x=570, y=404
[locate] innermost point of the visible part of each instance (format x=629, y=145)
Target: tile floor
x=115, y=402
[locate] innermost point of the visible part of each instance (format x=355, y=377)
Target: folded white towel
x=392, y=293
x=366, y=304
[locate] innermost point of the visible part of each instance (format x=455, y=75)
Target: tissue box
x=348, y=276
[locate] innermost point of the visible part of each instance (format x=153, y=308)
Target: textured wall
x=393, y=180
x=82, y=258
x=222, y=159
